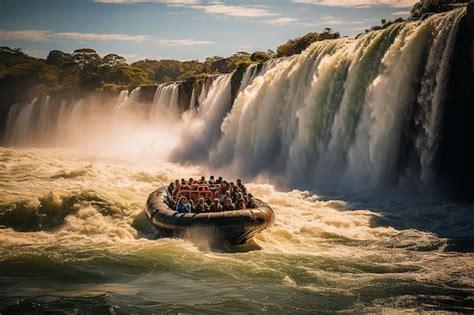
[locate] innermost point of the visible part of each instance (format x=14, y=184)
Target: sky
x=181, y=29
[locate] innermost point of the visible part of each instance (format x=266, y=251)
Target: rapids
x=329, y=138
x=74, y=238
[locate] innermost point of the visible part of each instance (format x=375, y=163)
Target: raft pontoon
x=234, y=227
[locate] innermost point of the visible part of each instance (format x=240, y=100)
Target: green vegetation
x=427, y=7
x=23, y=77
x=297, y=45
x=85, y=70
x=384, y=24
x=262, y=56
x=421, y=10
x=71, y=75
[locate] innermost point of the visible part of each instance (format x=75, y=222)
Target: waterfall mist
x=348, y=114
x=120, y=126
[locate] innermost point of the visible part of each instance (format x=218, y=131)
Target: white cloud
x=234, y=10
x=28, y=35
x=44, y=36
x=183, y=42
x=324, y=21
x=101, y=37
x=213, y=7
x=361, y=3
x=282, y=21
x=171, y=2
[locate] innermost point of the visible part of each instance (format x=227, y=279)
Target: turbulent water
x=74, y=238
x=345, y=113
x=351, y=115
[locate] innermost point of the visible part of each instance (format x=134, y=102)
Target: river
x=74, y=238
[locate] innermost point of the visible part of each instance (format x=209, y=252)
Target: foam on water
x=74, y=235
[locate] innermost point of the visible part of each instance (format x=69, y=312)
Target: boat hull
x=233, y=227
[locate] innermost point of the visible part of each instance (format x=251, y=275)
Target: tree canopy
x=297, y=45
x=85, y=70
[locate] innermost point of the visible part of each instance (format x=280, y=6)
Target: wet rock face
x=456, y=169
x=470, y=30
x=147, y=93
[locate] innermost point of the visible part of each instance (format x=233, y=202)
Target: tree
x=58, y=58
x=260, y=56
x=297, y=45
x=85, y=56
x=113, y=60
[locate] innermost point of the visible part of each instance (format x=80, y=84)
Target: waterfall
x=339, y=115
x=166, y=99
x=203, y=131
x=122, y=98
x=133, y=98
x=362, y=112
x=432, y=96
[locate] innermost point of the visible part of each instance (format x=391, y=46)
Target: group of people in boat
x=212, y=195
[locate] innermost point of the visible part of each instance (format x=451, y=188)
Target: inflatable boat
x=231, y=227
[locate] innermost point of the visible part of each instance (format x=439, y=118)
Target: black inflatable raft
x=234, y=227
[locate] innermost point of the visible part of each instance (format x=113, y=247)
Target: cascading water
x=73, y=236
x=122, y=98
x=166, y=99
x=204, y=130
x=336, y=115
x=118, y=126
x=355, y=112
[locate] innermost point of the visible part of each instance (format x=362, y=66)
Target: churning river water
x=74, y=238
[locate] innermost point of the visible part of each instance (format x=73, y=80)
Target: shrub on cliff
x=260, y=56
x=425, y=7
x=297, y=45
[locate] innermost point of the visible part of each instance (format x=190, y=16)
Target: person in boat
x=191, y=205
x=239, y=184
x=234, y=190
x=250, y=202
x=239, y=196
x=215, y=206
x=208, y=200
x=194, y=196
x=240, y=204
x=225, y=185
x=212, y=181
x=183, y=206
x=176, y=187
x=171, y=188
x=201, y=206
x=228, y=206
x=222, y=190
x=225, y=196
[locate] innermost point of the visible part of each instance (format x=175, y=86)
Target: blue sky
x=181, y=29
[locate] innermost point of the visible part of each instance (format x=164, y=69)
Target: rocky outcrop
x=147, y=93
x=470, y=31
x=456, y=169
